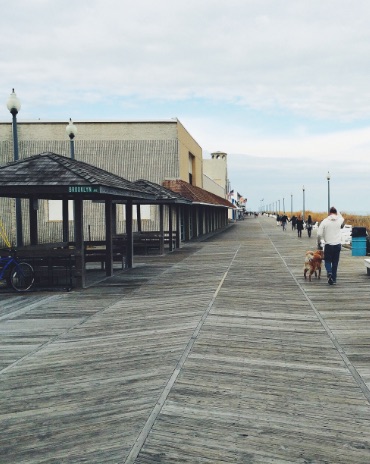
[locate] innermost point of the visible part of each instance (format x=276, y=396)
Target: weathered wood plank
x=218, y=352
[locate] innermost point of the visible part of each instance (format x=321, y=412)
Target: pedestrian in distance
x=284, y=220
x=309, y=225
x=299, y=225
x=293, y=220
x=330, y=231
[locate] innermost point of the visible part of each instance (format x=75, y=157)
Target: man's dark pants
x=331, y=257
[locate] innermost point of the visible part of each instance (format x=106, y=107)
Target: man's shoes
x=330, y=279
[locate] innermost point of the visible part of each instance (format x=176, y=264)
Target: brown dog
x=312, y=263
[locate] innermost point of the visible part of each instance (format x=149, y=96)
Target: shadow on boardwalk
x=217, y=353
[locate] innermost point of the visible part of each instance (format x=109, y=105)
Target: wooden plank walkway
x=217, y=353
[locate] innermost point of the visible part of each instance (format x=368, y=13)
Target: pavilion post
x=138, y=216
x=33, y=207
x=65, y=220
x=178, y=226
x=170, y=227
x=108, y=238
x=79, y=243
x=161, y=230
x=130, y=239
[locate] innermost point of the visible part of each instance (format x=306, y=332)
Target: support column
x=161, y=230
x=138, y=217
x=65, y=216
x=170, y=228
x=178, y=226
x=79, y=244
x=108, y=238
x=33, y=207
x=130, y=239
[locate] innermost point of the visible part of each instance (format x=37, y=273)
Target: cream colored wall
x=167, y=138
x=216, y=169
x=188, y=145
x=45, y=130
x=214, y=187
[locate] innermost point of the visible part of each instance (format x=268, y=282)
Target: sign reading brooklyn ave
x=83, y=189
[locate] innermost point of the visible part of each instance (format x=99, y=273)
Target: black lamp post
x=71, y=130
x=328, y=179
x=291, y=204
x=14, y=105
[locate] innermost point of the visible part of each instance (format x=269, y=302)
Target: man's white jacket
x=330, y=229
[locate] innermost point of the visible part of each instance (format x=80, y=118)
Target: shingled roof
x=163, y=194
x=49, y=175
x=196, y=194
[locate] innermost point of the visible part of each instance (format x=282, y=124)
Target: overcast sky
x=282, y=86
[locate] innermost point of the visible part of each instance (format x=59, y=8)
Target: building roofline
x=94, y=121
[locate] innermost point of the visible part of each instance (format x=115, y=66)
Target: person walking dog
x=330, y=231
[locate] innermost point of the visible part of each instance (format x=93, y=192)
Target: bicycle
x=18, y=274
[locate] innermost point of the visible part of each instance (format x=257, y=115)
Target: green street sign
x=83, y=189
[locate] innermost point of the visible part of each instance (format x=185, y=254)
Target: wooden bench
x=53, y=263
x=95, y=252
x=367, y=265
x=45, y=249
x=145, y=242
x=150, y=241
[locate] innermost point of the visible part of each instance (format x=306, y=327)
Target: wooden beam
x=130, y=239
x=161, y=230
x=178, y=225
x=79, y=243
x=138, y=216
x=33, y=207
x=170, y=227
x=65, y=217
x=108, y=238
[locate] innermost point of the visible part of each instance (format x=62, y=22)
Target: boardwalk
x=217, y=353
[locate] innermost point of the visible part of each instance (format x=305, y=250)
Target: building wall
x=216, y=169
x=214, y=187
x=187, y=146
x=134, y=150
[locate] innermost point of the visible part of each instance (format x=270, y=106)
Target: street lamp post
x=303, y=213
x=14, y=105
x=328, y=179
x=284, y=205
x=291, y=204
x=71, y=130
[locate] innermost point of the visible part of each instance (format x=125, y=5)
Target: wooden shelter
x=208, y=212
x=55, y=177
x=169, y=198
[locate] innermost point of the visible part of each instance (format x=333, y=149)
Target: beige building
x=215, y=177
x=151, y=150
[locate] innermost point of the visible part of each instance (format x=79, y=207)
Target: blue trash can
x=358, y=246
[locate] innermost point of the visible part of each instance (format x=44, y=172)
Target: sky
x=281, y=86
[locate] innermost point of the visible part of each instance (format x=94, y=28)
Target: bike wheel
x=22, y=277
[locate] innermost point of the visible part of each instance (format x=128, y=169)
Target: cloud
x=307, y=57
x=280, y=85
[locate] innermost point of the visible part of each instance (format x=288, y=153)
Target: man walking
x=330, y=231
